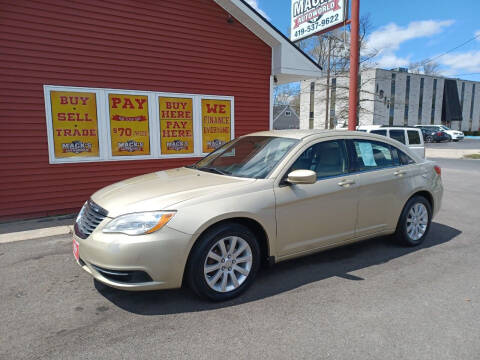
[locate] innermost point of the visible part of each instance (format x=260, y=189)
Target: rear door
x=381, y=185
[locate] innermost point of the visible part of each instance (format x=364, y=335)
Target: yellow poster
x=129, y=124
x=74, y=120
x=216, y=123
x=176, y=125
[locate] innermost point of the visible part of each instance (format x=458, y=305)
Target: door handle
x=399, y=173
x=346, y=183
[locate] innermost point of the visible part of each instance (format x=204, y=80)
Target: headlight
x=139, y=223
x=82, y=210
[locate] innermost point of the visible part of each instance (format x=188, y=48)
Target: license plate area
x=76, y=249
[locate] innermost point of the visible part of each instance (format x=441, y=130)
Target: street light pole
x=354, y=64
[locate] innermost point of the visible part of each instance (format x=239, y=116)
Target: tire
x=429, y=139
x=208, y=254
x=407, y=235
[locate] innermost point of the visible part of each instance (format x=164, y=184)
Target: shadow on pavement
x=280, y=278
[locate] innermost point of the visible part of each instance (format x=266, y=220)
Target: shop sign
x=176, y=125
x=74, y=120
x=310, y=17
x=216, y=123
x=129, y=129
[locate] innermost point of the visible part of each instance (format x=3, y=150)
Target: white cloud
x=468, y=62
x=477, y=34
x=390, y=60
x=387, y=40
x=254, y=4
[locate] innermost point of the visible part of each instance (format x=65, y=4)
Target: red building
x=93, y=92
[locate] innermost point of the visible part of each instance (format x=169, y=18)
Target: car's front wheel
x=414, y=222
x=224, y=262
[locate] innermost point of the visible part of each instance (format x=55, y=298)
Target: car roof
x=301, y=134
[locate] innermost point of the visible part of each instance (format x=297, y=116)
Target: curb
x=35, y=234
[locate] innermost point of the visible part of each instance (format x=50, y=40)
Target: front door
x=313, y=216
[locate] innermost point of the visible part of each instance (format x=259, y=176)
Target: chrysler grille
x=88, y=219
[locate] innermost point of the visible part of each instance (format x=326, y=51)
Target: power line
x=451, y=50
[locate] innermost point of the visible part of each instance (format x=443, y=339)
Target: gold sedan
x=264, y=197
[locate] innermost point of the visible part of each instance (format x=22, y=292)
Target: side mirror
x=302, y=177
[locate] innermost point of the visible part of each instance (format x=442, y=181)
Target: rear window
x=414, y=137
x=398, y=135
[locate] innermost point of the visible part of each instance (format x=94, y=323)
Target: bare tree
x=424, y=67
x=332, y=52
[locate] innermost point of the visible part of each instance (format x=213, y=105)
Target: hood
x=161, y=190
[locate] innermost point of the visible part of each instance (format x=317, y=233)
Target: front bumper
x=157, y=261
x=457, y=137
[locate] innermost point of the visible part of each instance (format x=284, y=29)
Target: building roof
x=289, y=63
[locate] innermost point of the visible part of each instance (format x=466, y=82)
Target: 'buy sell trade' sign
x=216, y=123
x=176, y=125
x=75, y=129
x=129, y=124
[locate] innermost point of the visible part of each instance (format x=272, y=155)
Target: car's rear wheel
x=414, y=223
x=429, y=139
x=224, y=262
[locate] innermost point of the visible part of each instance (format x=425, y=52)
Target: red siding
x=112, y=44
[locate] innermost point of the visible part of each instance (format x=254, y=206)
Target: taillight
x=438, y=170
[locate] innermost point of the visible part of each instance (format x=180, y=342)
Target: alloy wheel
x=228, y=264
x=417, y=221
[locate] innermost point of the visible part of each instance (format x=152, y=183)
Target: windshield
x=249, y=156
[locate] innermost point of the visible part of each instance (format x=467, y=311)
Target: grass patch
x=473, y=156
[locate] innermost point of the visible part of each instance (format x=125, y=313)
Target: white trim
x=103, y=123
x=272, y=86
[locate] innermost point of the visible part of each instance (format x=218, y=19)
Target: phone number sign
x=310, y=17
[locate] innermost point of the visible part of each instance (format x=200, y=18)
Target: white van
x=410, y=136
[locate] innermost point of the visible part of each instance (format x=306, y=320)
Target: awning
x=289, y=63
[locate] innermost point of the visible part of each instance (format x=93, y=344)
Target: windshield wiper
x=214, y=170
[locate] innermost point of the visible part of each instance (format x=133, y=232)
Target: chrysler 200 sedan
x=261, y=198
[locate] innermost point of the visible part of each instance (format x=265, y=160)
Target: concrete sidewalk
x=36, y=228
x=449, y=153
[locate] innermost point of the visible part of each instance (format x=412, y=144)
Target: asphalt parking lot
x=371, y=300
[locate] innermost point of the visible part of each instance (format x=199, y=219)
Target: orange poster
x=216, y=123
x=129, y=128
x=74, y=120
x=176, y=125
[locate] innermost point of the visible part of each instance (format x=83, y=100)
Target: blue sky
x=410, y=31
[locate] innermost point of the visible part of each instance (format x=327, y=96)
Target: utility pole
x=354, y=64
x=327, y=106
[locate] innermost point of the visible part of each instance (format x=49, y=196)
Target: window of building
x=312, y=103
x=472, y=104
x=407, y=101
x=94, y=124
x=333, y=100
x=420, y=102
x=392, y=100
x=288, y=113
x=434, y=98
x=398, y=135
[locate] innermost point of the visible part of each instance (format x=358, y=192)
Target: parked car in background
x=455, y=135
x=410, y=136
x=261, y=198
x=430, y=136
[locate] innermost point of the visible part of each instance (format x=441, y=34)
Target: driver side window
x=326, y=158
